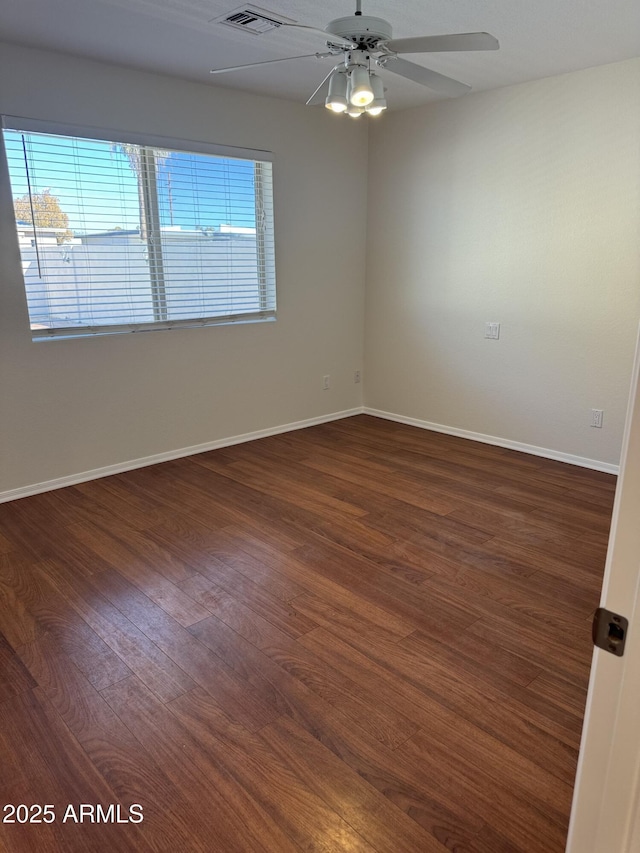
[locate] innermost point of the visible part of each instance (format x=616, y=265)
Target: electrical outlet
x=492, y=331
x=356, y=376
x=326, y=382
x=596, y=418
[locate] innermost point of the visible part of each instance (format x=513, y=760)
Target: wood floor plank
x=265, y=545
x=92, y=503
x=401, y=522
x=307, y=818
x=521, y=635
x=119, y=758
x=157, y=481
x=407, y=601
x=48, y=538
x=257, y=570
x=581, y=571
x=204, y=668
x=332, y=614
x=541, y=534
x=548, y=735
x=301, y=665
x=59, y=772
x=230, y=610
x=378, y=479
x=469, y=652
x=444, y=558
x=282, y=614
x=562, y=607
x=529, y=822
x=285, y=678
x=260, y=476
x=118, y=553
x=500, y=614
x=570, y=515
x=309, y=579
x=401, y=782
x=199, y=546
x=231, y=819
x=120, y=501
x=365, y=486
x=142, y=657
x=16, y=622
x=31, y=527
x=358, y=636
x=14, y=677
x=5, y=545
x=495, y=476
x=139, y=548
x=554, y=688
x=246, y=501
x=48, y=614
x=505, y=765
x=378, y=820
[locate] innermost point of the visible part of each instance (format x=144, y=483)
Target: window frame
x=265, y=236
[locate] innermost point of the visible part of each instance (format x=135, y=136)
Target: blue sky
x=98, y=189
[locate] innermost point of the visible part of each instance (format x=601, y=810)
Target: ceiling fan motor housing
x=364, y=30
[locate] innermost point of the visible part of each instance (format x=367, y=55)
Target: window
x=130, y=233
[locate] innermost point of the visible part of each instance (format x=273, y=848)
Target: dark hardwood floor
x=358, y=637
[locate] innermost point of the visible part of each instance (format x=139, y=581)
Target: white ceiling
x=538, y=38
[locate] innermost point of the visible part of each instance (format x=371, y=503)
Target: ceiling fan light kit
x=352, y=88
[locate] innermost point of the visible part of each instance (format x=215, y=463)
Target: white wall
x=73, y=406
x=521, y=206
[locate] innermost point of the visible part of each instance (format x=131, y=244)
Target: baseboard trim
x=130, y=465
x=569, y=458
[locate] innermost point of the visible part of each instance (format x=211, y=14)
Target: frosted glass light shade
x=379, y=102
x=337, y=96
x=360, y=91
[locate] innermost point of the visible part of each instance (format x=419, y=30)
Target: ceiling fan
x=361, y=40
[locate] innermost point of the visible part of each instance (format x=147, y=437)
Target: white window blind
x=132, y=234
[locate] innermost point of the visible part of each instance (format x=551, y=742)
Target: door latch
x=609, y=631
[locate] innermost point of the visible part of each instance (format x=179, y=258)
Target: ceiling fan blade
x=269, y=62
x=436, y=44
x=437, y=82
x=328, y=37
x=320, y=94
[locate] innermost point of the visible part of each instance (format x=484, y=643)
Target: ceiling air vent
x=256, y=21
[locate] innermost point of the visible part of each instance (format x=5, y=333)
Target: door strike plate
x=609, y=631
